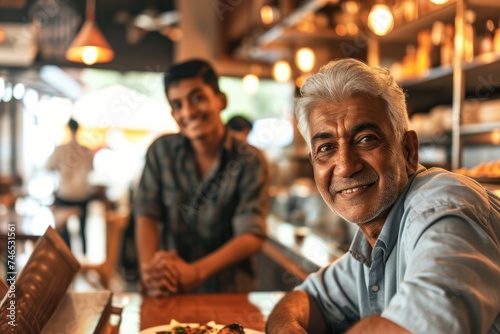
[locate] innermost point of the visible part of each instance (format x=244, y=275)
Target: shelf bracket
x=458, y=85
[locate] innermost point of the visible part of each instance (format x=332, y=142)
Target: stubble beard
x=381, y=207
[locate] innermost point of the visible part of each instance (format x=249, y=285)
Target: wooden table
x=250, y=310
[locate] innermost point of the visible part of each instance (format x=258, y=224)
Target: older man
x=426, y=257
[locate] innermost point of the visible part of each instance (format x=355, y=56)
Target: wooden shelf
x=292, y=36
x=435, y=86
x=439, y=139
x=480, y=128
x=407, y=32
x=278, y=31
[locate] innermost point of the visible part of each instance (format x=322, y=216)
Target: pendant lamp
x=90, y=46
x=380, y=20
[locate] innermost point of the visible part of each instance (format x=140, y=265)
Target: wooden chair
x=116, y=223
x=3, y=288
x=40, y=286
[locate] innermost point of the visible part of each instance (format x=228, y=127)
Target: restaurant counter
x=141, y=312
x=291, y=252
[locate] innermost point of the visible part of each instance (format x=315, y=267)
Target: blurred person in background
x=73, y=162
x=202, y=199
x=241, y=126
x=426, y=256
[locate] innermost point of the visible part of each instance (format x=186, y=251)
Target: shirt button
x=375, y=288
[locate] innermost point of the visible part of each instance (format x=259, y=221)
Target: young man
x=426, y=257
x=204, y=191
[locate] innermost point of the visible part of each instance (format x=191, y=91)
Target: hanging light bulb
x=282, y=71
x=305, y=59
x=380, y=20
x=300, y=80
x=439, y=2
x=18, y=91
x=250, y=83
x=2, y=34
x=7, y=92
x=268, y=15
x=351, y=7
x=90, y=46
x=2, y=87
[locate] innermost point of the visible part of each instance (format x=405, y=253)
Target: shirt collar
x=227, y=141
x=360, y=247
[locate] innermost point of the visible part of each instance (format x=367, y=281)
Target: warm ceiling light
x=268, y=15
x=7, y=92
x=282, y=71
x=439, y=2
x=18, y=91
x=250, y=84
x=351, y=7
x=2, y=87
x=2, y=34
x=90, y=46
x=380, y=20
x=352, y=28
x=300, y=80
x=304, y=59
x=341, y=30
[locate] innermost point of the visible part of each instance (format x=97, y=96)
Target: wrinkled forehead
x=347, y=114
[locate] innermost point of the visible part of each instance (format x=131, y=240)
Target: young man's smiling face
x=359, y=167
x=196, y=107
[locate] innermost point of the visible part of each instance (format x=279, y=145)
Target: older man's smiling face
x=359, y=167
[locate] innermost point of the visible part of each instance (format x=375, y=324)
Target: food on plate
x=233, y=328
x=208, y=328
x=486, y=169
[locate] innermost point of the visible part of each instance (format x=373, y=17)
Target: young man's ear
x=223, y=100
x=410, y=147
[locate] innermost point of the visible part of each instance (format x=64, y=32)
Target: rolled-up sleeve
x=334, y=289
x=147, y=197
x=452, y=282
x=253, y=189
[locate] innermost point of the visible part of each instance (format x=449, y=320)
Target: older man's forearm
x=377, y=325
x=291, y=315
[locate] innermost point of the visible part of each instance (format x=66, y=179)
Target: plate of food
x=193, y=328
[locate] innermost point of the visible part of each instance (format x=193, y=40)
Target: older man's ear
x=410, y=147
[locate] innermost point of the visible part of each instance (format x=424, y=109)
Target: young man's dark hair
x=195, y=68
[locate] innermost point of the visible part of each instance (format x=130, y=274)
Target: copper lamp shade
x=2, y=34
x=90, y=46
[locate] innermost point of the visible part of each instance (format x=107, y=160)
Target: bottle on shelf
x=487, y=41
x=470, y=17
x=496, y=39
x=409, y=61
x=423, y=61
x=410, y=10
x=447, y=46
x=437, y=36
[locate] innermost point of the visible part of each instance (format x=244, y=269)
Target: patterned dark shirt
x=198, y=216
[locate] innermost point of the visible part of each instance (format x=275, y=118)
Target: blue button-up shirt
x=435, y=267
